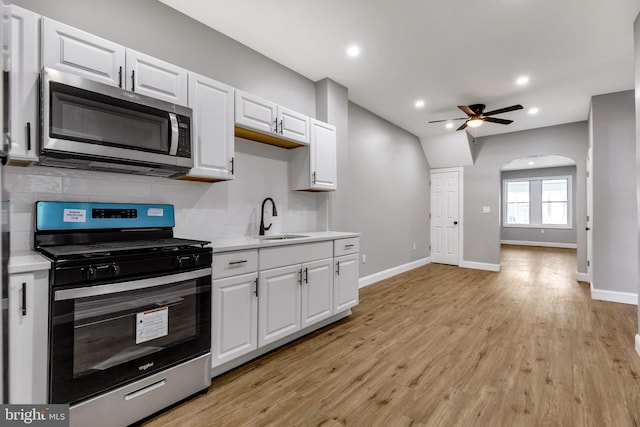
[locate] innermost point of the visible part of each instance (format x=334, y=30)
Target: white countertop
x=253, y=242
x=23, y=262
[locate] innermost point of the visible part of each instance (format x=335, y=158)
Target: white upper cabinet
x=74, y=51
x=323, y=156
x=276, y=125
x=256, y=113
x=293, y=125
x=156, y=78
x=212, y=129
x=25, y=67
x=314, y=168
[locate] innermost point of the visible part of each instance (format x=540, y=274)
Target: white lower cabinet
x=317, y=292
x=298, y=285
x=345, y=282
x=279, y=292
x=234, y=329
x=28, y=321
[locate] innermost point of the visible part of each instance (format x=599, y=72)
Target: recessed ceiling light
x=522, y=80
x=419, y=103
x=531, y=163
x=449, y=125
x=353, y=51
x=534, y=110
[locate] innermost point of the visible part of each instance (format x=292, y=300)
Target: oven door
x=106, y=335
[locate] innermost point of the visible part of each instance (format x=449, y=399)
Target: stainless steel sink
x=282, y=237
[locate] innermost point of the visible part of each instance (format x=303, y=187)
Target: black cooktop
x=114, y=247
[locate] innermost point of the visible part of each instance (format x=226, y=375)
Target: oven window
x=114, y=329
x=85, y=116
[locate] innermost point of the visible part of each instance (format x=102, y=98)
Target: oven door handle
x=175, y=134
x=112, y=288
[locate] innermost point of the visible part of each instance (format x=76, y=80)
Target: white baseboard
x=480, y=266
x=614, y=296
x=638, y=344
x=385, y=274
x=543, y=244
x=582, y=277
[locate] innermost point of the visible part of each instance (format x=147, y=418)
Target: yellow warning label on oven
x=152, y=324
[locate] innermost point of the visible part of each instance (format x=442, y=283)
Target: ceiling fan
x=476, y=115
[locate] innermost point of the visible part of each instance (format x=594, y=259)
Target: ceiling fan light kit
x=476, y=115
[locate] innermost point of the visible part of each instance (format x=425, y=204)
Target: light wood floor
x=447, y=346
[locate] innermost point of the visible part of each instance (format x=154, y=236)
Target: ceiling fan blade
x=497, y=120
x=504, y=110
x=447, y=120
x=462, y=126
x=468, y=111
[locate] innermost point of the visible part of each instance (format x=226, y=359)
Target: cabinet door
x=278, y=303
x=69, y=49
x=25, y=67
x=323, y=156
x=156, y=78
x=317, y=291
x=255, y=113
x=234, y=329
x=213, y=119
x=293, y=125
x=21, y=338
x=345, y=282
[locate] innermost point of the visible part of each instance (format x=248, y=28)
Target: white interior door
x=589, y=213
x=444, y=217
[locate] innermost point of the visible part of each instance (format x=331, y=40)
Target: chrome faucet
x=274, y=213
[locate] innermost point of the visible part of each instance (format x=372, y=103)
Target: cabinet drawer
x=346, y=246
x=294, y=254
x=226, y=264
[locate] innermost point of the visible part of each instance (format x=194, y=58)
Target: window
x=537, y=202
x=555, y=201
x=517, y=194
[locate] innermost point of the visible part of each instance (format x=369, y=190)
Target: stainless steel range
x=130, y=311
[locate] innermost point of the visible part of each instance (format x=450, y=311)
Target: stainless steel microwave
x=91, y=125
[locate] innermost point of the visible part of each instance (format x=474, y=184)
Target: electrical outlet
x=364, y=259
x=414, y=246
x=542, y=231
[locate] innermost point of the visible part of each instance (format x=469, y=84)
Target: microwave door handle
x=173, y=148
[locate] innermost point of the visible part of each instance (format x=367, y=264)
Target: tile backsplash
x=203, y=210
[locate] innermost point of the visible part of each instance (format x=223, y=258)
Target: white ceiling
x=449, y=53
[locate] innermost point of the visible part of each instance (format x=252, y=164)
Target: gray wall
x=550, y=235
x=615, y=248
x=482, y=184
x=389, y=201
x=382, y=171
